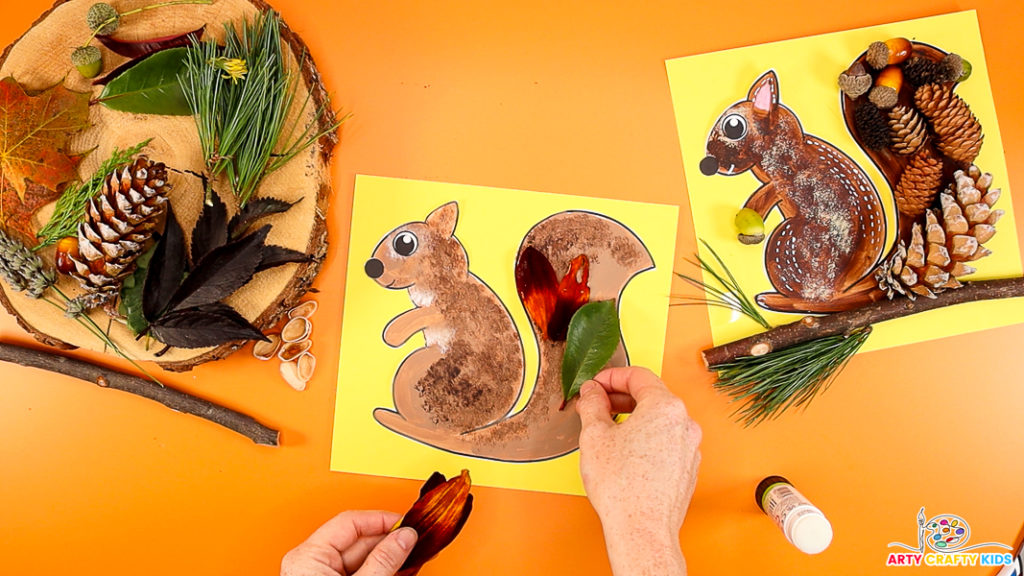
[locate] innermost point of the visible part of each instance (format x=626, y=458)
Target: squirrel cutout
x=822, y=257
x=459, y=390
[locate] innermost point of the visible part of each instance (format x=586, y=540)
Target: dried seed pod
x=292, y=350
x=306, y=365
x=296, y=329
x=303, y=310
x=290, y=373
x=908, y=130
x=886, y=92
x=265, y=350
x=892, y=51
x=856, y=81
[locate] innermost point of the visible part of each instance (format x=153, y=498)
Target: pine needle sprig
x=70, y=209
x=244, y=123
x=770, y=384
x=723, y=290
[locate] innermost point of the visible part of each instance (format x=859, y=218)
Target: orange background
x=566, y=97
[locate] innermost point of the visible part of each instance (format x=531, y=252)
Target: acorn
x=750, y=226
x=67, y=248
x=892, y=51
x=966, y=69
x=88, y=60
x=103, y=18
x=886, y=92
x=855, y=81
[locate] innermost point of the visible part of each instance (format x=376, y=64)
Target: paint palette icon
x=948, y=532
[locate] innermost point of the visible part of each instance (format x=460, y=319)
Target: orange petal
x=438, y=516
x=573, y=293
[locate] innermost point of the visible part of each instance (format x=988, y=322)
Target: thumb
x=387, y=557
x=594, y=406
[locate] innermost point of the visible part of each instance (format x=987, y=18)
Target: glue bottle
x=802, y=523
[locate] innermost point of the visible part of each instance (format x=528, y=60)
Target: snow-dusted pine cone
x=957, y=132
x=117, y=224
x=941, y=246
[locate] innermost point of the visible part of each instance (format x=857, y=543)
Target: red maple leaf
x=34, y=161
x=550, y=303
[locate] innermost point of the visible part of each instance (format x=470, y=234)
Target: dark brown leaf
x=211, y=231
x=255, y=209
x=140, y=48
x=210, y=325
x=279, y=255
x=166, y=269
x=550, y=303
x=438, y=517
x=221, y=272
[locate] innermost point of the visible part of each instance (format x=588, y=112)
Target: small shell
x=290, y=372
x=266, y=350
x=303, y=310
x=293, y=350
x=296, y=329
x=306, y=365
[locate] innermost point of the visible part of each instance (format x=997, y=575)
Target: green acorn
x=967, y=69
x=88, y=60
x=102, y=18
x=750, y=226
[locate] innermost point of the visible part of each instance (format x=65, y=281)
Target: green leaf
x=131, y=293
x=150, y=87
x=590, y=343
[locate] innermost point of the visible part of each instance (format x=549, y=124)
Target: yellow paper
x=491, y=225
x=704, y=86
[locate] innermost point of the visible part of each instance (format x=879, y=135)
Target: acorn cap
x=100, y=14
x=86, y=55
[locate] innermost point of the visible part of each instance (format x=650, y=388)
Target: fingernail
x=406, y=538
x=587, y=387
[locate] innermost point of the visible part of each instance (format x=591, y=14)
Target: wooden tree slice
x=40, y=59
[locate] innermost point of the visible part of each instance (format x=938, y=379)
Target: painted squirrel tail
x=545, y=428
x=924, y=141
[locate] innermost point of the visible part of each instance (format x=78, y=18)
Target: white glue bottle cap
x=802, y=523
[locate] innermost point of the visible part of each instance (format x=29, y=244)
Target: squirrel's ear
x=443, y=219
x=764, y=94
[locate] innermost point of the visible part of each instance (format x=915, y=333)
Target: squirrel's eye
x=734, y=127
x=405, y=243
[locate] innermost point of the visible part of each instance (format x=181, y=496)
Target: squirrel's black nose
x=709, y=166
x=374, y=268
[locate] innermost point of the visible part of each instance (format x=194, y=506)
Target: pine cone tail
x=919, y=184
x=944, y=240
x=118, y=223
x=957, y=131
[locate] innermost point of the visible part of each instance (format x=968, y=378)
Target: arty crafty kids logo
x=943, y=541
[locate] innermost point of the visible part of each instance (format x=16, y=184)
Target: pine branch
x=173, y=399
x=814, y=327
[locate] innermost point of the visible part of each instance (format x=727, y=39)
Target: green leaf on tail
x=590, y=343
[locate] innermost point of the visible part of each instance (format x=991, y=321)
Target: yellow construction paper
x=492, y=223
x=703, y=86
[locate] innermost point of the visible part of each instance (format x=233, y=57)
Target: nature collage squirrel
x=829, y=253
x=458, y=392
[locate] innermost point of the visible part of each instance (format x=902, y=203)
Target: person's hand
x=639, y=474
x=355, y=543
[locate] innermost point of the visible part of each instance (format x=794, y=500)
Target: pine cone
x=957, y=132
x=919, y=71
x=908, y=130
x=117, y=224
x=919, y=183
x=871, y=125
x=950, y=237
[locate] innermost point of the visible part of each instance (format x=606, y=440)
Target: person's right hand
x=639, y=474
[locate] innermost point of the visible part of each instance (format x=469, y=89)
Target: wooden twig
x=811, y=327
x=173, y=399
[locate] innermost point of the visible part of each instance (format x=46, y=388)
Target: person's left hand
x=353, y=543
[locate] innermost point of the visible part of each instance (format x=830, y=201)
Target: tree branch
x=173, y=399
x=812, y=327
